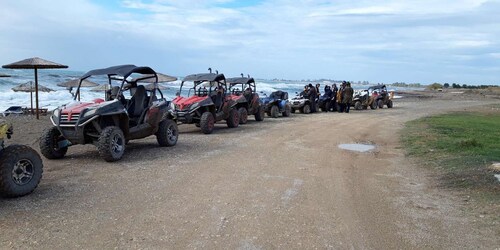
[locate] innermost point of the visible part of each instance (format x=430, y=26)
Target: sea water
x=50, y=78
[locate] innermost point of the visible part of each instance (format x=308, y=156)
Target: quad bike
x=383, y=98
x=109, y=124
x=206, y=103
x=276, y=103
x=21, y=167
x=302, y=103
x=243, y=92
x=363, y=99
x=325, y=103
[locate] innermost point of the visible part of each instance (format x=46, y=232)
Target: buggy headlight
x=172, y=105
x=194, y=105
x=90, y=112
x=57, y=112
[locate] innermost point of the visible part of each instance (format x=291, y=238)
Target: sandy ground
x=282, y=183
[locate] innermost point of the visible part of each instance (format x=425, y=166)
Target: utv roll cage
x=120, y=73
x=199, y=79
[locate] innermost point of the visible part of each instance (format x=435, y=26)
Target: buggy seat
x=137, y=103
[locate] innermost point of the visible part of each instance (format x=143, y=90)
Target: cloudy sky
x=376, y=40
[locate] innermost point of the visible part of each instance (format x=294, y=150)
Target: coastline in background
x=51, y=100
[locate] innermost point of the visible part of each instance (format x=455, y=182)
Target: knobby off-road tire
x=168, y=133
x=373, y=105
x=243, y=113
x=389, y=104
x=111, y=144
x=358, y=105
x=275, y=111
x=207, y=122
x=21, y=170
x=49, y=144
x=261, y=113
x=306, y=109
x=380, y=104
x=288, y=111
x=234, y=118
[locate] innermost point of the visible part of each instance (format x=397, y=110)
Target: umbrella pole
x=31, y=97
x=36, y=92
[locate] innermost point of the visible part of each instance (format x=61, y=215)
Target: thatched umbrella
x=28, y=87
x=74, y=83
x=161, y=78
x=152, y=86
x=104, y=87
x=35, y=63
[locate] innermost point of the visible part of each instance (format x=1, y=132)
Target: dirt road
x=282, y=183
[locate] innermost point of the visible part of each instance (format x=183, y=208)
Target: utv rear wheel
x=243, y=113
x=275, y=111
x=380, y=104
x=288, y=110
x=207, y=122
x=234, y=118
x=358, y=106
x=111, y=144
x=49, y=144
x=21, y=170
x=168, y=133
x=373, y=105
x=389, y=104
x=259, y=116
x=307, y=109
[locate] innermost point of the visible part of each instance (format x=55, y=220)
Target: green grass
x=460, y=146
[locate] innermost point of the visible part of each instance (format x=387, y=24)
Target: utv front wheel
x=234, y=118
x=207, y=122
x=243, y=113
x=288, y=110
x=389, y=104
x=167, y=133
x=259, y=116
x=21, y=170
x=111, y=144
x=358, y=106
x=380, y=104
x=49, y=144
x=275, y=111
x=306, y=109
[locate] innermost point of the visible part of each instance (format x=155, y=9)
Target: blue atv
x=276, y=103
